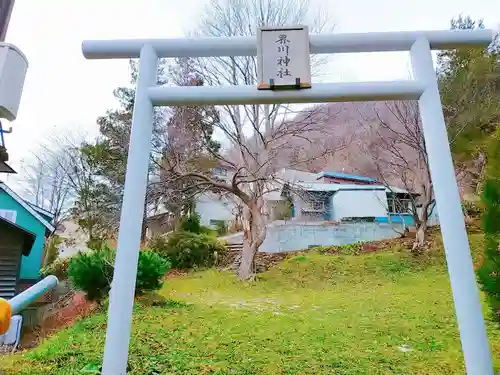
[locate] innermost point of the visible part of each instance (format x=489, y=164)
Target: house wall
x=222, y=173
x=30, y=265
x=302, y=201
x=298, y=205
x=212, y=208
x=359, y=203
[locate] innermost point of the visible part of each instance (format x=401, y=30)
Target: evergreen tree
x=489, y=272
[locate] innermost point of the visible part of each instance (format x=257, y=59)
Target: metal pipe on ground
x=23, y=299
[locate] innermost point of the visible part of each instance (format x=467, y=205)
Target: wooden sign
x=283, y=58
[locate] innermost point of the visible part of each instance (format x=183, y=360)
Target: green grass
x=382, y=313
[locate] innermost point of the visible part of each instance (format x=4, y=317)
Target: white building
x=320, y=201
x=310, y=197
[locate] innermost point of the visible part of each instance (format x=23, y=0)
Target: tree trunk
x=422, y=219
x=245, y=271
x=420, y=237
x=144, y=225
x=254, y=233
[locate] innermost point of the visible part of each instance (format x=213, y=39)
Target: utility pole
x=6, y=7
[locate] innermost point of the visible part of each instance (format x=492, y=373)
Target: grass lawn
x=380, y=313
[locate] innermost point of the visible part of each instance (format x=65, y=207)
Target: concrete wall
x=290, y=236
x=359, y=203
x=30, y=265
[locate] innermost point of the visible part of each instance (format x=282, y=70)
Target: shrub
x=58, y=268
x=208, y=231
x=187, y=250
x=92, y=272
x=489, y=272
x=150, y=271
x=190, y=223
x=158, y=244
x=221, y=227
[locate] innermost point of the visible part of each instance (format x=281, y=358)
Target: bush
x=58, y=268
x=190, y=223
x=489, y=272
x=188, y=250
x=208, y=231
x=158, y=244
x=150, y=271
x=221, y=227
x=92, y=272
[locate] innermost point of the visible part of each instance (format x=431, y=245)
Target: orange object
x=5, y=315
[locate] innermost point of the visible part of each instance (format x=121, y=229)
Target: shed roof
x=321, y=186
x=26, y=206
x=39, y=209
x=347, y=176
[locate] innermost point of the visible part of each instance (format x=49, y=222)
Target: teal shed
x=23, y=263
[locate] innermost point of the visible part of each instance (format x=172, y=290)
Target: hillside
x=382, y=313
x=358, y=124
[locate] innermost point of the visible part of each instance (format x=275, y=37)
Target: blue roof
x=346, y=176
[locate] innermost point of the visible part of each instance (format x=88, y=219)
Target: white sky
x=63, y=90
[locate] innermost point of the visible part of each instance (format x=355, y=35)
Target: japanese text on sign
x=284, y=58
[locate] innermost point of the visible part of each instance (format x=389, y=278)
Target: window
x=317, y=205
x=314, y=206
x=399, y=206
x=9, y=215
x=220, y=171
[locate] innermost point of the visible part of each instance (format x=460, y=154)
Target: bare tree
x=256, y=163
x=63, y=177
x=259, y=136
x=398, y=152
x=45, y=182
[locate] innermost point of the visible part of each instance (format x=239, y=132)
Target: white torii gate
x=424, y=89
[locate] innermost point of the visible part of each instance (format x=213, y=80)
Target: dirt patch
x=65, y=312
x=174, y=273
x=263, y=261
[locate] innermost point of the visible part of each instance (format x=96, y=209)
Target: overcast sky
x=63, y=90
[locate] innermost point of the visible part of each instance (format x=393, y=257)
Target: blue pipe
x=19, y=302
